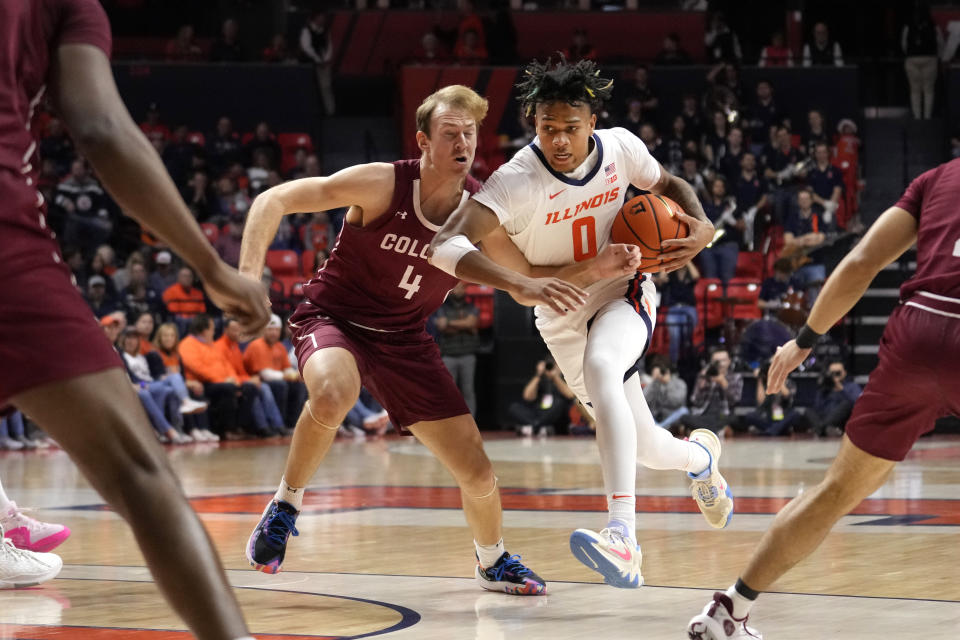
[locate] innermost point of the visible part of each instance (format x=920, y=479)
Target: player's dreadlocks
x=573, y=83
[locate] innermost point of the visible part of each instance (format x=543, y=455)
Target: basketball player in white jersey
x=551, y=207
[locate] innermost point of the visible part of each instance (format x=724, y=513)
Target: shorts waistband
x=935, y=303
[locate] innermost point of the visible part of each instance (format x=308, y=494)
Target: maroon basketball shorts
x=47, y=332
x=916, y=381
x=403, y=369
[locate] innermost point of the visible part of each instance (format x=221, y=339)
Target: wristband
x=807, y=337
x=449, y=253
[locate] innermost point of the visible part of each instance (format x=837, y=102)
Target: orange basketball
x=647, y=221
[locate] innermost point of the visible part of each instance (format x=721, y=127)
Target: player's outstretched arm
x=454, y=250
x=369, y=187
x=613, y=261
x=83, y=90
x=892, y=234
x=683, y=250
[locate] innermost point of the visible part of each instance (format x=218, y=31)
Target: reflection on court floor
x=384, y=550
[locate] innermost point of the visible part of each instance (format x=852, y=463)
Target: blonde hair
x=456, y=96
x=167, y=326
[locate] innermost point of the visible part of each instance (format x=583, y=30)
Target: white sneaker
x=10, y=444
x=211, y=436
x=21, y=568
x=189, y=405
x=716, y=622
x=30, y=534
x=709, y=489
x=611, y=554
x=180, y=438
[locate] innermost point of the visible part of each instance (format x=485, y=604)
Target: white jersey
x=557, y=219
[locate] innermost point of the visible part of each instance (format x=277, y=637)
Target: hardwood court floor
x=383, y=550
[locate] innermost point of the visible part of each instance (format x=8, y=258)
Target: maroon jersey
x=378, y=276
x=30, y=32
x=932, y=198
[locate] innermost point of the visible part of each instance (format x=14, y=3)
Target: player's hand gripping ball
x=646, y=221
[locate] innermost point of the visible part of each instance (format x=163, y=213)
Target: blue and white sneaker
x=510, y=575
x=709, y=489
x=268, y=542
x=610, y=553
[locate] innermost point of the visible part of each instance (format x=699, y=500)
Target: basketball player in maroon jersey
x=363, y=322
x=915, y=382
x=57, y=365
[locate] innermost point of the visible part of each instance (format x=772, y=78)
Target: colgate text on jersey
x=599, y=199
x=404, y=245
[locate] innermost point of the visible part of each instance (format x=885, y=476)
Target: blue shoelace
x=279, y=527
x=511, y=564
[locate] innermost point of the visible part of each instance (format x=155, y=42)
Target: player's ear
x=593, y=122
x=423, y=142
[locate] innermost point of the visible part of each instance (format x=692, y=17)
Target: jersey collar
x=563, y=178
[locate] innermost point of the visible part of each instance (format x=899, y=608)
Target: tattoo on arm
x=683, y=194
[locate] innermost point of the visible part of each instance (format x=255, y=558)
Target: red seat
x=294, y=141
x=709, y=308
x=745, y=289
x=210, y=230
x=481, y=296
x=289, y=143
x=750, y=265
x=292, y=286
x=660, y=340
x=247, y=137
x=283, y=262
x=307, y=266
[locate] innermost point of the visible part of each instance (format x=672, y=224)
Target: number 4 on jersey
x=411, y=286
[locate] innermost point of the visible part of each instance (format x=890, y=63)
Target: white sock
x=292, y=495
x=741, y=603
x=698, y=460
x=489, y=554
x=247, y=638
x=622, y=508
x=4, y=501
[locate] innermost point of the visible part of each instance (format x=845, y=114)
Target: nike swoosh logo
x=624, y=556
x=618, y=496
x=557, y=193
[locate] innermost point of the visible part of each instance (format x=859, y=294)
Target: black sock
x=745, y=591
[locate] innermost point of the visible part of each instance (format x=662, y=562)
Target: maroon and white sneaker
x=716, y=622
x=30, y=534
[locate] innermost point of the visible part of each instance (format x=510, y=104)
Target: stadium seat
x=709, y=308
x=211, y=231
x=747, y=289
x=481, y=296
x=750, y=265
x=247, y=137
x=289, y=143
x=283, y=262
x=660, y=340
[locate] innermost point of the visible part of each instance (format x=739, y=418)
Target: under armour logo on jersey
x=402, y=214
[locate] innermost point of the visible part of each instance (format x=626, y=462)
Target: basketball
x=647, y=221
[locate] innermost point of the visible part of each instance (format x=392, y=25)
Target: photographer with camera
x=716, y=392
x=666, y=394
x=834, y=402
x=774, y=415
x=546, y=401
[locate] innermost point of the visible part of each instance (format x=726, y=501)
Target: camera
x=712, y=371
x=550, y=364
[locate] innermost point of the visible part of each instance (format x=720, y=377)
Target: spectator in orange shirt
x=267, y=357
x=183, y=300
x=266, y=412
x=202, y=361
